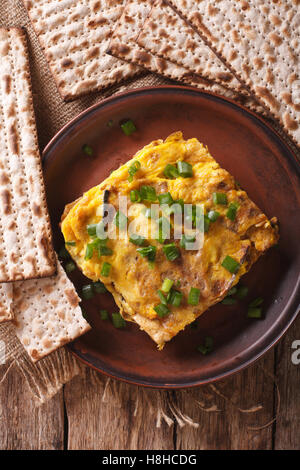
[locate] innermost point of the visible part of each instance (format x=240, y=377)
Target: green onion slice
x=162, y=310
x=148, y=193
x=99, y=287
x=185, y=239
x=148, y=252
x=70, y=267
x=106, y=267
x=87, y=291
x=128, y=127
x=232, y=210
x=135, y=196
x=230, y=264
x=220, y=198
x=194, y=295
x=167, y=284
x=162, y=297
x=133, y=169
x=165, y=198
x=256, y=302
x=213, y=215
x=185, y=169
x=232, y=291
x=174, y=298
x=63, y=253
x=254, y=312
x=89, y=251
x=91, y=230
x=70, y=243
x=171, y=172
x=242, y=292
x=104, y=314
x=207, y=347
x=171, y=251
x=229, y=301
x=120, y=220
x=118, y=320
x=137, y=239
x=87, y=150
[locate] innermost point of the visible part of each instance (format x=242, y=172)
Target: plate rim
x=295, y=300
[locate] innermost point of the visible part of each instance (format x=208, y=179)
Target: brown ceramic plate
x=264, y=166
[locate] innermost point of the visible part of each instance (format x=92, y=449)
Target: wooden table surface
x=237, y=413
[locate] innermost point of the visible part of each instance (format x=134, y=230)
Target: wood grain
x=224, y=424
x=23, y=426
x=118, y=417
x=287, y=430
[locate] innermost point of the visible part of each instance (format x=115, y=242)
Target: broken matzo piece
x=74, y=36
x=261, y=43
x=47, y=314
x=25, y=234
x=6, y=294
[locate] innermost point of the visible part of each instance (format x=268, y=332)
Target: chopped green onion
x=185, y=239
x=99, y=287
x=256, y=302
x=229, y=301
x=104, y=250
x=207, y=347
x=171, y=172
x=87, y=291
x=185, y=169
x=162, y=297
x=166, y=286
x=120, y=220
x=106, y=267
x=242, y=292
x=232, y=291
x=87, y=150
x=194, y=295
x=171, y=251
x=89, y=251
x=230, y=264
x=213, y=215
x=254, y=312
x=137, y=239
x=148, y=252
x=232, y=210
x=100, y=232
x=128, y=127
x=118, y=320
x=175, y=298
x=133, y=169
x=148, y=193
x=162, y=310
x=91, y=230
x=206, y=224
x=135, y=195
x=220, y=198
x=104, y=314
x=70, y=267
x=70, y=243
x=63, y=253
x=165, y=198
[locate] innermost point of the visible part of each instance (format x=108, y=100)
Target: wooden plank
x=115, y=417
x=23, y=425
x=287, y=429
x=224, y=424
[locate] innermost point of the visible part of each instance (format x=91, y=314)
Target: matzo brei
x=74, y=36
x=47, y=314
x=25, y=234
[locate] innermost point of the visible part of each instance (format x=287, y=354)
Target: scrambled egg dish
x=156, y=280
